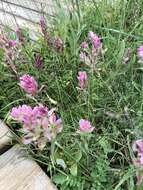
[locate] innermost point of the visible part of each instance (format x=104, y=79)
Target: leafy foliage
x=112, y=102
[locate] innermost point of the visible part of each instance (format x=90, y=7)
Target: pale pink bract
x=140, y=52
x=39, y=124
x=84, y=45
x=85, y=126
x=52, y=126
x=29, y=84
x=82, y=78
x=12, y=43
x=40, y=111
x=24, y=115
x=138, y=161
x=138, y=146
x=16, y=113
x=82, y=56
x=96, y=41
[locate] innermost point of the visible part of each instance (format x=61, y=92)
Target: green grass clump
x=113, y=101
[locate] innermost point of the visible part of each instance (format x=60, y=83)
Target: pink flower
x=84, y=45
x=140, y=52
x=27, y=116
x=43, y=24
x=85, y=126
x=56, y=122
x=82, y=56
x=138, y=161
x=96, y=41
x=52, y=125
x=138, y=146
x=12, y=43
x=28, y=84
x=82, y=78
x=40, y=111
x=24, y=115
x=38, y=124
x=16, y=113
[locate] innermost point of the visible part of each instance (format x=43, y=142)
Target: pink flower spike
x=56, y=122
x=40, y=111
x=85, y=126
x=43, y=23
x=84, y=45
x=45, y=123
x=29, y=84
x=82, y=78
x=27, y=115
x=12, y=43
x=91, y=35
x=59, y=125
x=138, y=146
x=140, y=155
x=82, y=56
x=140, y=52
x=24, y=115
x=96, y=41
x=16, y=113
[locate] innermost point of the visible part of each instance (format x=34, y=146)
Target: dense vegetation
x=110, y=97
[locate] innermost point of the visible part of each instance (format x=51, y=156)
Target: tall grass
x=112, y=102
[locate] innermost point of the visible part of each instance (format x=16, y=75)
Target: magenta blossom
x=138, y=161
x=40, y=111
x=16, y=113
x=85, y=126
x=52, y=125
x=12, y=43
x=24, y=115
x=56, y=122
x=84, y=45
x=140, y=52
x=138, y=146
x=38, y=124
x=96, y=41
x=29, y=84
x=82, y=78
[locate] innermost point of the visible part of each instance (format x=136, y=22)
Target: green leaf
x=73, y=169
x=78, y=156
x=59, y=178
x=105, y=145
x=127, y=175
x=12, y=36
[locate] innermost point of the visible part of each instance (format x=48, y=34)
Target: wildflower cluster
x=39, y=124
x=10, y=51
x=85, y=126
x=90, y=55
